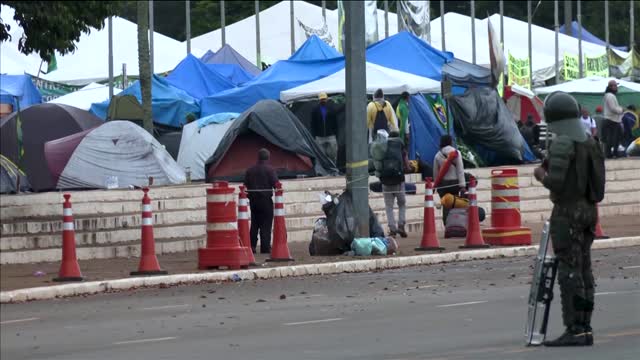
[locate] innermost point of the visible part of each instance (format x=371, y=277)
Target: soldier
x=574, y=174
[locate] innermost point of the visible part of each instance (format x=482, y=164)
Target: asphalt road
x=473, y=310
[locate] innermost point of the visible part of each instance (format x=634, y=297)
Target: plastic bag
x=362, y=246
x=321, y=244
x=456, y=224
x=392, y=245
x=378, y=246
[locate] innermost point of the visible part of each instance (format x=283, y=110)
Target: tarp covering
x=462, y=73
x=283, y=75
x=406, y=52
x=587, y=36
x=228, y=55
x=315, y=49
x=232, y=72
x=197, y=145
x=170, y=141
x=40, y=123
x=117, y=149
x=18, y=87
x=269, y=122
x=9, y=174
x=392, y=82
x=85, y=97
x=482, y=119
x=170, y=105
x=197, y=79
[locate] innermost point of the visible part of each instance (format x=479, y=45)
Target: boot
x=571, y=337
x=401, y=231
x=587, y=327
x=393, y=233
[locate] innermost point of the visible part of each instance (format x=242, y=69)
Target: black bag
x=392, y=172
x=597, y=173
x=381, y=122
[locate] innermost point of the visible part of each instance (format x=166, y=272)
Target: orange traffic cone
x=599, y=233
x=69, y=268
x=474, y=236
x=243, y=224
x=148, y=261
x=279, y=249
x=430, y=240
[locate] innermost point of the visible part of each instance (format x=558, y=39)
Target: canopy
x=232, y=72
x=197, y=79
x=227, y=55
x=198, y=143
x=9, y=175
x=83, y=98
x=116, y=150
x=18, y=87
x=462, y=73
x=587, y=36
x=315, y=49
x=522, y=103
x=170, y=105
x=392, y=82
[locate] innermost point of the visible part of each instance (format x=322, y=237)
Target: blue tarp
x=18, y=87
x=588, y=37
x=170, y=105
x=283, y=75
x=220, y=118
x=425, y=130
x=197, y=79
x=232, y=72
x=314, y=49
x=406, y=52
x=227, y=55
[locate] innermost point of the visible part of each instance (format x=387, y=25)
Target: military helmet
x=562, y=114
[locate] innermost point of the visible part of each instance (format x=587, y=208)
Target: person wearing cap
x=574, y=173
x=260, y=181
x=324, y=127
x=612, y=125
x=380, y=116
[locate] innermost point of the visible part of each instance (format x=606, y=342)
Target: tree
x=51, y=26
x=144, y=64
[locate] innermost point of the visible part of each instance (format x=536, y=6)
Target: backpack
x=381, y=122
x=597, y=173
x=392, y=171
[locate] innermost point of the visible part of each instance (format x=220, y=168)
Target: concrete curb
x=95, y=287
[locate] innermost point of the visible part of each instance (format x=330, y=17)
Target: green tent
x=125, y=107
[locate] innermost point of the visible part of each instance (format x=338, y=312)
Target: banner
x=571, y=67
x=370, y=22
x=341, y=18
x=519, y=71
x=323, y=32
x=496, y=55
x=51, y=90
x=415, y=18
x=596, y=65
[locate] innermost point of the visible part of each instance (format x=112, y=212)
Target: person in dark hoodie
x=324, y=127
x=260, y=181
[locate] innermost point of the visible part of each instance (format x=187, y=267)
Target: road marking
x=141, y=341
x=305, y=296
x=312, y=322
x=617, y=292
x=18, y=321
x=462, y=304
x=165, y=307
x=631, y=267
x=626, y=333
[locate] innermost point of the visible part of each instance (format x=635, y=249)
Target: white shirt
x=612, y=110
x=588, y=124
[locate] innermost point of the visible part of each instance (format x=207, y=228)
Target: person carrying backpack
x=380, y=116
x=391, y=175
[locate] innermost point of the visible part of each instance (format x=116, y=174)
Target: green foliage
x=55, y=25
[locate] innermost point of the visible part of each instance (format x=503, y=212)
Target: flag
x=496, y=55
x=415, y=18
x=52, y=64
x=341, y=19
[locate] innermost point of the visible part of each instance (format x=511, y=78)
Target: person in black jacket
x=260, y=181
x=324, y=127
x=392, y=179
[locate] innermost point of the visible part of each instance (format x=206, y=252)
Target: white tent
x=275, y=31
x=392, y=82
x=590, y=85
x=83, y=98
x=198, y=144
x=90, y=61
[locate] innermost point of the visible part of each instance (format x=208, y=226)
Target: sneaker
x=401, y=231
x=392, y=233
x=570, y=338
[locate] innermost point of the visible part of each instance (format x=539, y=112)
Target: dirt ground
x=32, y=275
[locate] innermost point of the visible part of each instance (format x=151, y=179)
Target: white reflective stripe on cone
x=67, y=226
x=505, y=205
x=243, y=216
x=278, y=212
x=472, y=190
x=243, y=202
x=222, y=226
x=429, y=191
x=506, y=192
x=279, y=199
x=221, y=198
x=428, y=203
x=67, y=212
x=146, y=208
x=147, y=221
x=474, y=203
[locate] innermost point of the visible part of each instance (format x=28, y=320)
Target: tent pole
x=530, y=51
x=258, y=59
x=398, y=15
x=125, y=81
x=606, y=29
x=386, y=19
x=444, y=41
x=631, y=28
x=473, y=31
x=324, y=11
x=429, y=22
x=556, y=27
x=110, y=23
x=504, y=75
x=222, y=23
x=580, y=63
x=187, y=11
x=151, y=31
x=293, y=36
x=568, y=29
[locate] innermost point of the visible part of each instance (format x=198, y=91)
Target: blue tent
x=197, y=79
x=425, y=130
x=315, y=49
x=227, y=55
x=18, y=87
x=170, y=105
x=283, y=75
x=406, y=52
x=588, y=37
x=232, y=72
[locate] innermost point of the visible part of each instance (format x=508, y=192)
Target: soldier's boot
x=573, y=336
x=401, y=231
x=587, y=327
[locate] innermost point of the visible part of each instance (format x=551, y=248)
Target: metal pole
x=188, y=20
x=324, y=10
x=356, y=130
x=502, y=23
x=398, y=15
x=580, y=63
x=568, y=29
x=386, y=19
x=429, y=29
x=259, y=60
x=293, y=36
x=125, y=82
x=222, y=23
x=151, y=36
x=606, y=28
x=473, y=31
x=556, y=27
x=444, y=38
x=530, y=50
x=110, y=23
x=632, y=28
